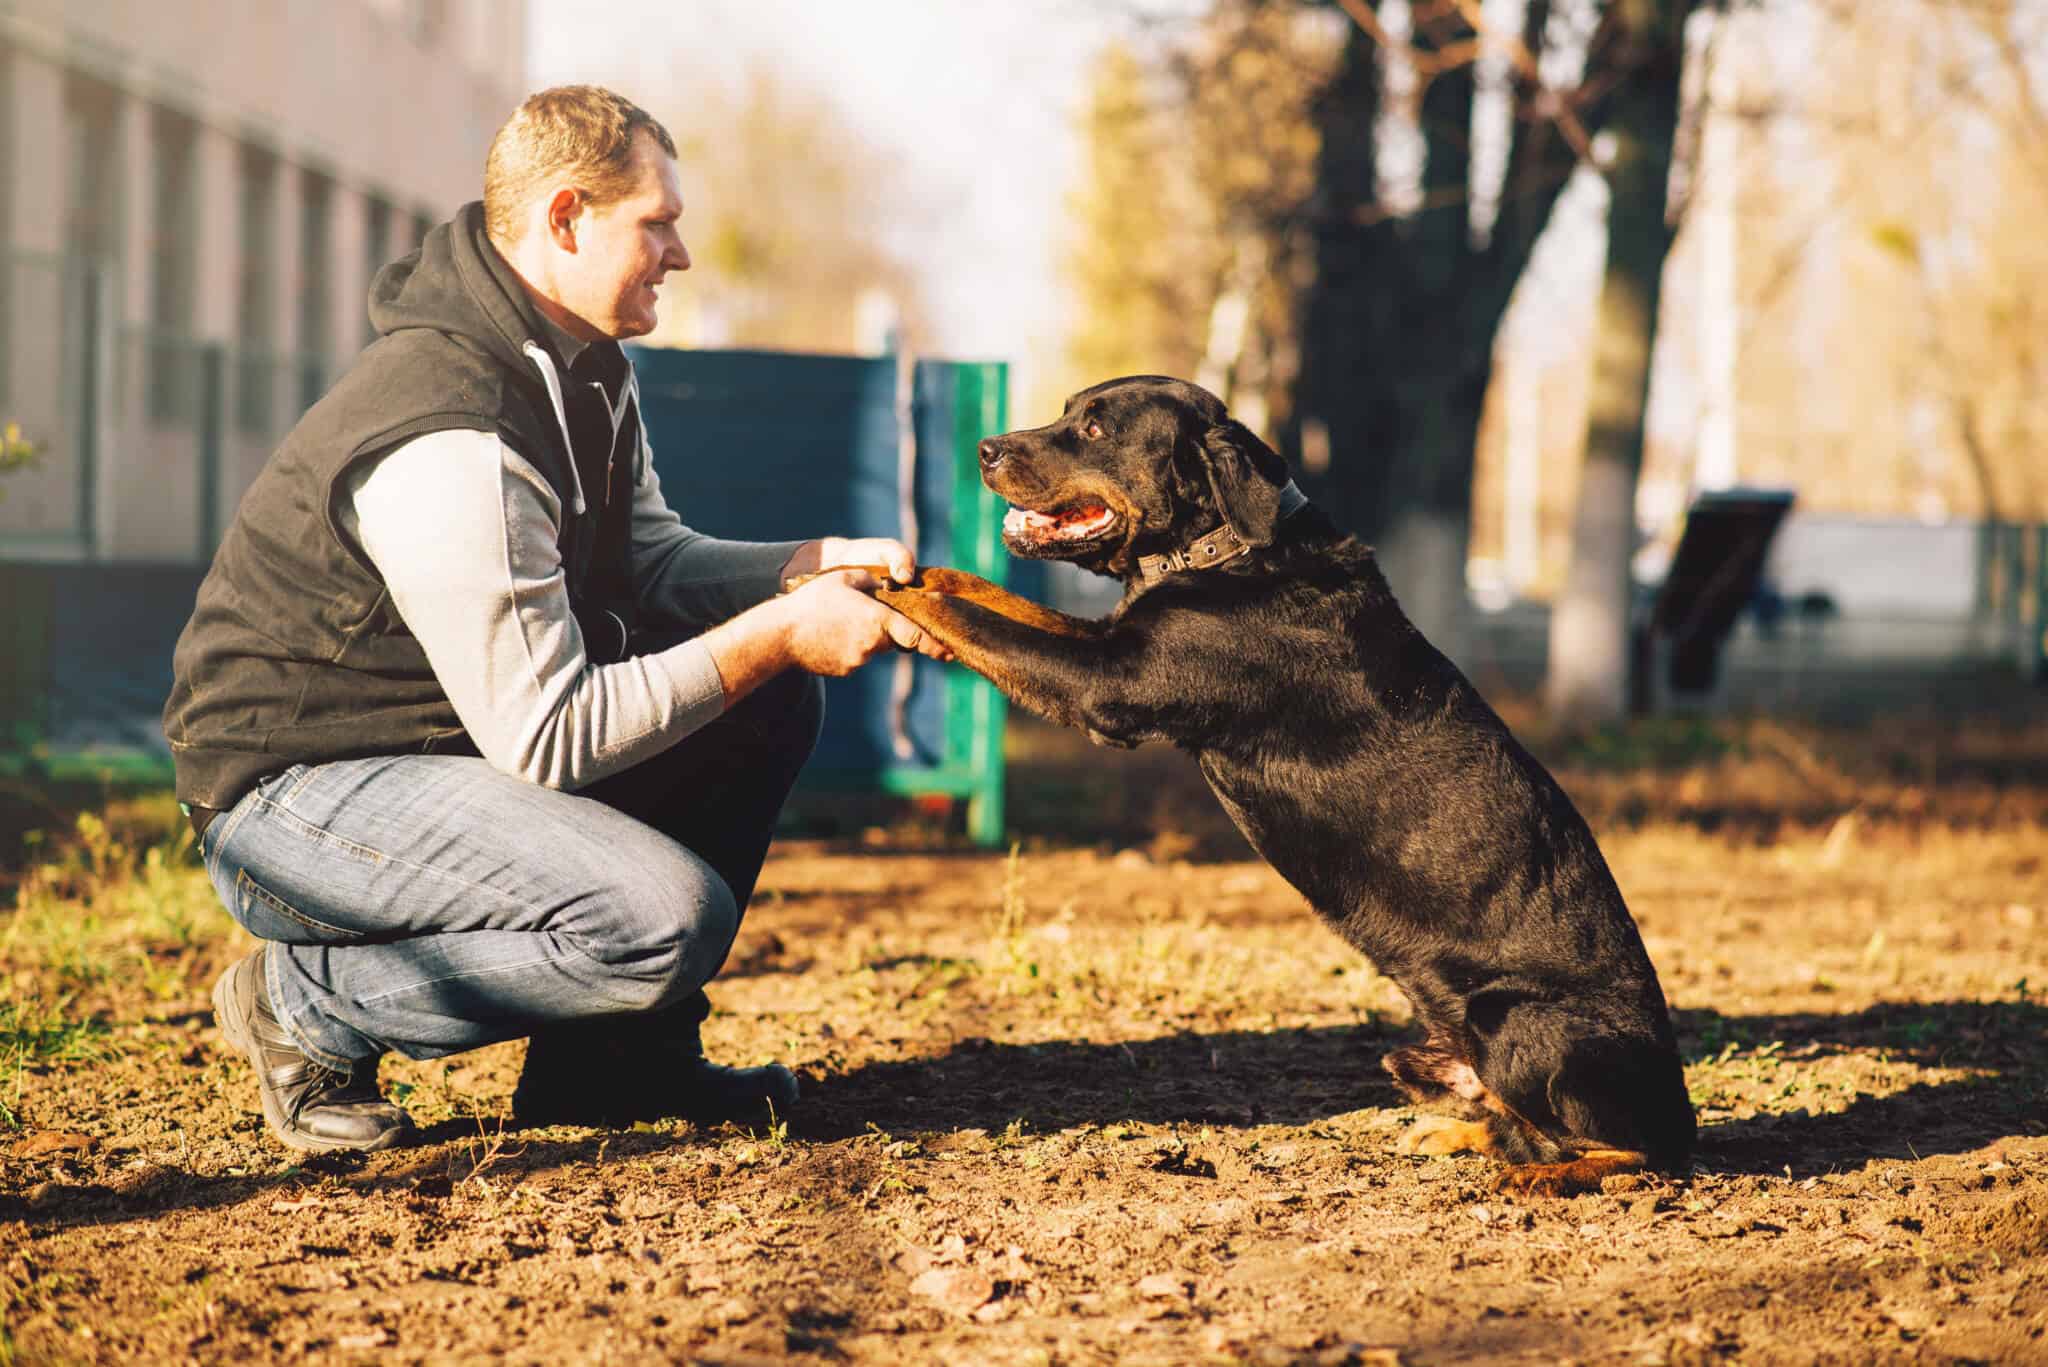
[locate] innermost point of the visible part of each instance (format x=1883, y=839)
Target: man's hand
x=835, y=627
x=829, y=625
x=831, y=552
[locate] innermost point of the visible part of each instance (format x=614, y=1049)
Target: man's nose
x=679, y=259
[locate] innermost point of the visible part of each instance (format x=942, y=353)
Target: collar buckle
x=1217, y=548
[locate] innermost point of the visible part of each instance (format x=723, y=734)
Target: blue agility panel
x=749, y=445
x=772, y=446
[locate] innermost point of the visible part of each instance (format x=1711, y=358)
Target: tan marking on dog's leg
x=1583, y=1173
x=939, y=582
x=1437, y=1135
x=974, y=589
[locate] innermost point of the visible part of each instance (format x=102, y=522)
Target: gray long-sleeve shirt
x=465, y=534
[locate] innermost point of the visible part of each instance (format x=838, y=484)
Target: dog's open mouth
x=1077, y=522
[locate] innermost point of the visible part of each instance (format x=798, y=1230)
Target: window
x=89, y=217
x=256, y=294
x=316, y=318
x=376, y=248
x=173, y=261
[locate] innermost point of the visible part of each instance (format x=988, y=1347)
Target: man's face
x=623, y=249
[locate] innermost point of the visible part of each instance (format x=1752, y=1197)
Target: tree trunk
x=1398, y=325
x=1590, y=621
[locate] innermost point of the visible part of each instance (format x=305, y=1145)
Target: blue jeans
x=428, y=904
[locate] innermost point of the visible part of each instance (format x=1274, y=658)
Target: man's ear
x=1245, y=477
x=564, y=207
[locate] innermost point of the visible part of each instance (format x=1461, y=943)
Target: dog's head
x=1133, y=467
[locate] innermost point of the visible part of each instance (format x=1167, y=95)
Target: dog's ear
x=1245, y=477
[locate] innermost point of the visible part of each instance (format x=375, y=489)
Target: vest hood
x=458, y=283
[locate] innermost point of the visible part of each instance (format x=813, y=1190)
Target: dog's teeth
x=1023, y=519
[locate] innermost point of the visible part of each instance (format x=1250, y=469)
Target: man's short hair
x=583, y=133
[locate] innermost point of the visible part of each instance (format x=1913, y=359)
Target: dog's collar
x=1218, y=547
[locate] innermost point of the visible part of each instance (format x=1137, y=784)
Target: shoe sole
x=236, y=1030
x=774, y=1106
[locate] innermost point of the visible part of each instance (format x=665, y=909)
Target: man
x=477, y=737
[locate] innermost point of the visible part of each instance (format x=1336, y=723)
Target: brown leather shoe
x=308, y=1106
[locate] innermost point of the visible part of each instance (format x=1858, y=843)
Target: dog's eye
x=1094, y=431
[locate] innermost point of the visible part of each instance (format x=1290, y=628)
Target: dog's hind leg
x=1594, y=1105
x=1433, y=1074
x=1435, y=1135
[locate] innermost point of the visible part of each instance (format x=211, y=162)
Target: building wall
x=196, y=188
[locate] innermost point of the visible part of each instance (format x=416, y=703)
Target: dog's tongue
x=1069, y=524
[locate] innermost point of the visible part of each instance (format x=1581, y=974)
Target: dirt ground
x=1111, y=1097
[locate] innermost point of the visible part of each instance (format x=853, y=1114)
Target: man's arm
x=686, y=580
x=464, y=533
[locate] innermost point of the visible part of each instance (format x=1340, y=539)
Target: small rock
x=994, y=1312
x=1165, y=1286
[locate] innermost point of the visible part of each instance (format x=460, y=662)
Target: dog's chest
x=1253, y=808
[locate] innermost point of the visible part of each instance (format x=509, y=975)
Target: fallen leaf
x=54, y=1141
x=913, y=1262
x=1912, y=1318
x=287, y=1207
x=961, y=1290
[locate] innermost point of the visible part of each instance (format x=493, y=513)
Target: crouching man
x=477, y=736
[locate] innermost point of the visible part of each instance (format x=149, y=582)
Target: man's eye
x=1094, y=431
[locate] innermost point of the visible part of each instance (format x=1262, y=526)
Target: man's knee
x=665, y=936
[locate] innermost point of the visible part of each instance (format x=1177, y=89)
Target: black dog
x=1356, y=758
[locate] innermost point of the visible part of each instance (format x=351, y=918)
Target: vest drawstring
x=541, y=361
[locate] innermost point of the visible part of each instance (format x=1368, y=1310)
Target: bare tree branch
x=1450, y=55
x=1525, y=62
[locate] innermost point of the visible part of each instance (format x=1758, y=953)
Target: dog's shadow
x=2001, y=1048
x=1300, y=1077
x=1232, y=1079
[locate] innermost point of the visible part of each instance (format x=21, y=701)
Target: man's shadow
x=1299, y=1077
x=1231, y=1078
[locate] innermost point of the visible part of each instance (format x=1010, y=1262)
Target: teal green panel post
x=975, y=710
